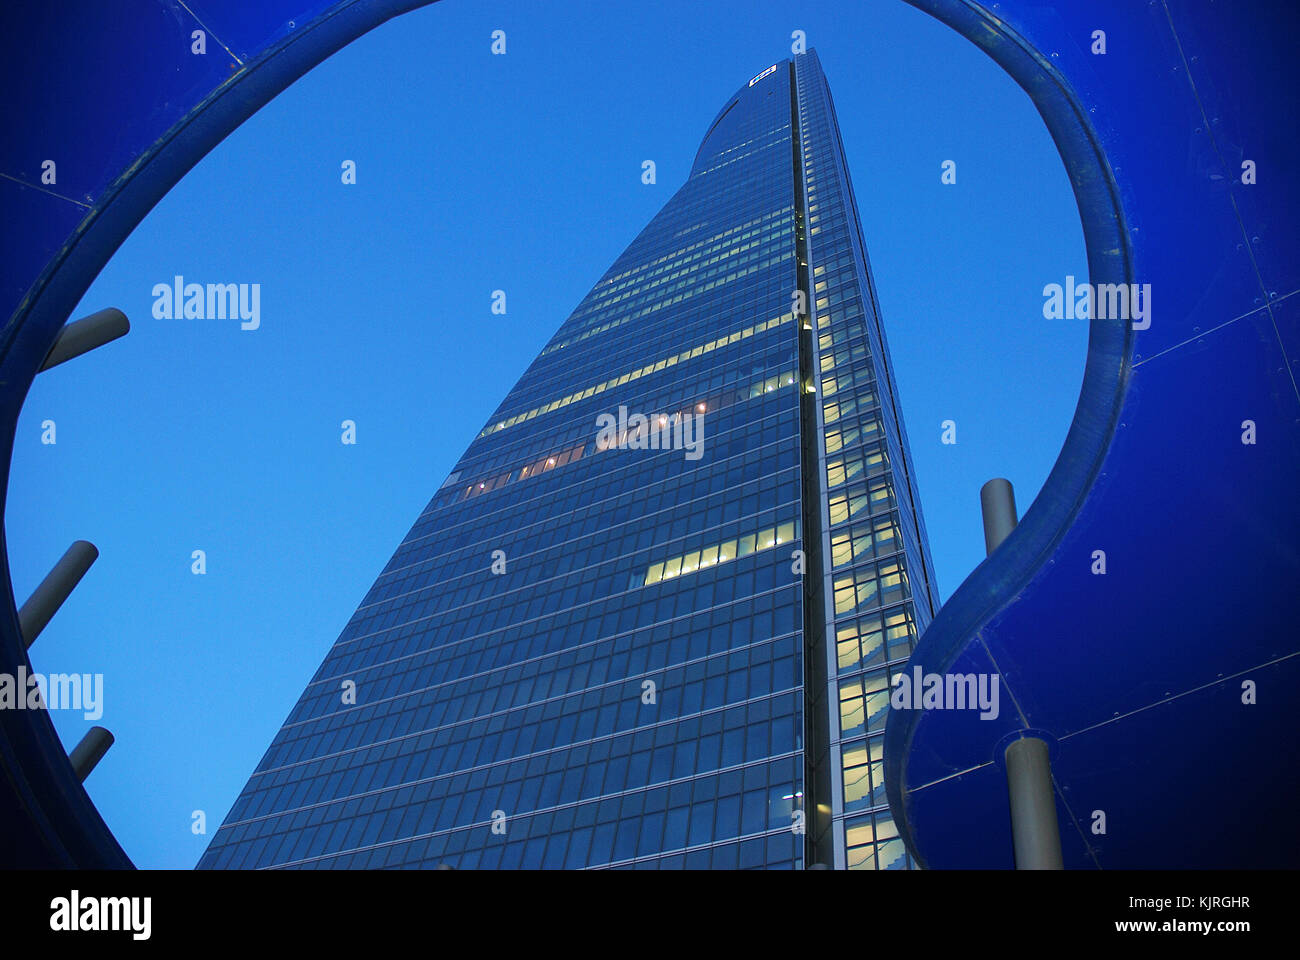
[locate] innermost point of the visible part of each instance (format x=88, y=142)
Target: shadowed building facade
x=649, y=618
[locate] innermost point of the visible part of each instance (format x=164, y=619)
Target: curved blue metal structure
x=1135, y=676
x=117, y=98
x=1165, y=686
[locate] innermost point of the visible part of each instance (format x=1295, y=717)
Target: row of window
x=615, y=489
x=447, y=808
x=740, y=236
x=583, y=617
x=373, y=774
x=776, y=851
x=653, y=367
x=870, y=585
x=731, y=394
x=483, y=603
x=599, y=313
x=871, y=640
x=764, y=792
x=662, y=434
x=735, y=549
x=736, y=626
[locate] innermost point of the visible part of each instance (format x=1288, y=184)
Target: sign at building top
x=763, y=74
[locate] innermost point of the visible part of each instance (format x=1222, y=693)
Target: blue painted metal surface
x=114, y=95
x=1135, y=677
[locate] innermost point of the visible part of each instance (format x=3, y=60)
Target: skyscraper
x=648, y=620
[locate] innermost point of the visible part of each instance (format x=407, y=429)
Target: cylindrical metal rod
x=84, y=335
x=90, y=751
x=998, y=504
x=1034, y=830
x=54, y=589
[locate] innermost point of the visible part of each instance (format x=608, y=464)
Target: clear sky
x=474, y=173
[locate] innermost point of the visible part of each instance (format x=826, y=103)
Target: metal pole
x=84, y=335
x=90, y=751
x=998, y=504
x=1034, y=829
x=54, y=589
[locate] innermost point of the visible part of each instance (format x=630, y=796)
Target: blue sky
x=474, y=173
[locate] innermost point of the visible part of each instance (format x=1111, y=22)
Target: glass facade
x=648, y=619
x=877, y=577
